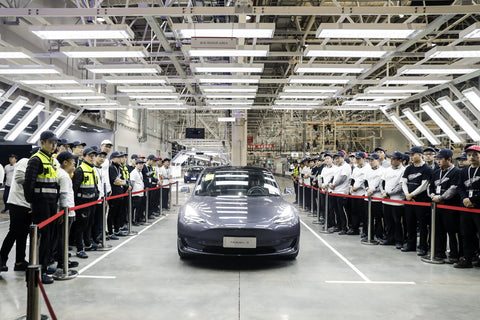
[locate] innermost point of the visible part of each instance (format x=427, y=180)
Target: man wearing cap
x=126, y=177
x=119, y=186
x=41, y=191
x=94, y=233
x=462, y=160
x=374, y=181
x=316, y=172
x=295, y=174
x=340, y=185
x=151, y=181
x=133, y=161
x=165, y=176
x=358, y=182
x=307, y=172
x=326, y=177
x=106, y=146
x=9, y=168
x=393, y=213
x=138, y=200
x=382, y=153
x=429, y=158
x=300, y=182
x=469, y=191
x=443, y=190
x=85, y=188
x=63, y=145
x=77, y=150
x=414, y=184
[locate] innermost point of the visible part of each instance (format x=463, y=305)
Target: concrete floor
x=334, y=277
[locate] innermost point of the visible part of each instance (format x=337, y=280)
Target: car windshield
x=237, y=183
x=195, y=170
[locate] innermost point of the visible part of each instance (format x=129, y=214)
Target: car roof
x=237, y=168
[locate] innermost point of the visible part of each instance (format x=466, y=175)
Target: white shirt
x=9, y=174
x=105, y=167
x=67, y=199
x=374, y=179
x=359, y=175
x=385, y=164
x=344, y=171
x=393, y=184
x=16, y=195
x=306, y=171
x=327, y=174
x=164, y=174
x=102, y=179
x=136, y=179
x=2, y=174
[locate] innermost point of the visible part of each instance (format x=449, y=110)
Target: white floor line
x=338, y=254
x=3, y=222
x=117, y=247
x=97, y=277
x=371, y=282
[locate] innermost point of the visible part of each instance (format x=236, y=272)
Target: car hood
x=227, y=209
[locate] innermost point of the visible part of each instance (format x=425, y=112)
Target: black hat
x=165, y=160
x=373, y=156
x=134, y=156
x=13, y=156
x=397, y=155
x=319, y=159
x=78, y=143
x=347, y=160
x=48, y=135
x=445, y=154
x=406, y=157
x=139, y=161
x=429, y=149
x=328, y=154
x=379, y=148
x=115, y=154
x=360, y=155
x=463, y=156
x=339, y=154
x=65, y=155
x=99, y=151
x=352, y=155
x=88, y=151
x=62, y=142
x=415, y=149
x=151, y=157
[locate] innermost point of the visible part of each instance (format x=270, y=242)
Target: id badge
x=470, y=193
x=439, y=190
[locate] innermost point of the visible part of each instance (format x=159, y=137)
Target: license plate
x=194, y=178
x=239, y=242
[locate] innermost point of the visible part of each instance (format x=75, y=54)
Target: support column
x=239, y=142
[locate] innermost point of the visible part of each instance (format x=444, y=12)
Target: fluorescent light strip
x=139, y=89
x=473, y=95
x=83, y=32
x=48, y=81
x=14, y=53
x=123, y=68
x=65, y=124
x=160, y=103
x=437, y=69
x=348, y=51
x=309, y=89
x=230, y=96
x=154, y=96
x=405, y=130
x=230, y=102
x=318, y=80
x=366, y=103
x=226, y=119
x=291, y=108
x=69, y=90
x=415, y=80
x=241, y=51
x=28, y=69
x=471, y=32
x=355, y=108
x=368, y=96
x=460, y=118
x=24, y=122
x=289, y=95
x=453, y=52
x=442, y=123
x=369, y=30
x=228, y=79
x=12, y=110
x=106, y=108
x=167, y=108
x=297, y=103
x=135, y=80
x=230, y=108
x=224, y=88
x=226, y=67
x=104, y=52
x=44, y=126
x=98, y=103
x=395, y=90
x=421, y=126
x=330, y=68
x=80, y=97
x=225, y=30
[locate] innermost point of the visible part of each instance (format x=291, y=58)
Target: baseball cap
x=406, y=157
x=139, y=161
x=48, y=135
x=429, y=149
x=65, y=155
x=360, y=155
x=397, y=155
x=106, y=141
x=13, y=156
x=379, y=149
x=328, y=154
x=373, y=156
x=151, y=157
x=78, y=143
x=415, y=149
x=88, y=151
x=463, y=156
x=347, y=160
x=165, y=160
x=134, y=156
x=62, y=142
x=339, y=154
x=352, y=154
x=473, y=148
x=115, y=154
x=445, y=154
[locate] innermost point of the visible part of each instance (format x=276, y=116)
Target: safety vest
x=46, y=183
x=296, y=171
x=125, y=173
x=88, y=188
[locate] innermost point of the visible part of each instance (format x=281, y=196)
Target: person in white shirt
x=166, y=177
x=96, y=223
x=138, y=199
x=12, y=159
x=382, y=153
x=393, y=213
x=340, y=185
x=106, y=146
x=307, y=173
x=326, y=177
x=20, y=219
x=2, y=177
x=359, y=177
x=374, y=181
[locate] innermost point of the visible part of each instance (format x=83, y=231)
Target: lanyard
x=474, y=174
x=446, y=174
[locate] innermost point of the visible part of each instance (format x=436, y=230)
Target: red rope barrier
x=86, y=205
x=47, y=302
x=117, y=196
x=443, y=206
x=44, y=223
x=137, y=192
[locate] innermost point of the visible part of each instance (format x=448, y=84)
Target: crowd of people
x=61, y=174
x=395, y=182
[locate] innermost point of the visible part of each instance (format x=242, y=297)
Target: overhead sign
x=260, y=146
x=205, y=43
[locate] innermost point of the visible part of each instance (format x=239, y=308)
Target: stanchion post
x=318, y=207
x=298, y=189
x=66, y=273
x=161, y=198
x=33, y=244
x=369, y=240
x=176, y=194
x=432, y=258
x=104, y=224
x=147, y=204
x=169, y=193
x=303, y=195
x=311, y=198
x=325, y=224
x=33, y=295
x=130, y=214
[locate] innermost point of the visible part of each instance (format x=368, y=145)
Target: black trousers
x=20, y=221
x=115, y=221
x=97, y=222
x=331, y=219
x=82, y=218
x=469, y=227
x=308, y=198
x=300, y=195
x=394, y=218
x=339, y=209
x=6, y=192
x=61, y=241
x=417, y=215
x=356, y=213
x=389, y=224
x=138, y=205
x=42, y=209
x=295, y=188
x=153, y=201
x=165, y=197
x=448, y=223
x=376, y=224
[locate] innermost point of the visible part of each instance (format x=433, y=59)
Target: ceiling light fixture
x=104, y=52
x=460, y=118
x=81, y=97
x=396, y=90
x=160, y=102
x=224, y=88
x=369, y=30
x=28, y=69
x=65, y=124
x=24, y=122
x=368, y=96
x=44, y=126
x=421, y=126
x=220, y=30
x=415, y=80
x=230, y=102
x=48, y=81
x=442, y=122
x=226, y=67
x=228, y=79
x=69, y=90
x=83, y=32
x=473, y=95
x=230, y=108
x=240, y=51
x=471, y=32
x=135, y=80
x=453, y=52
x=330, y=68
x=139, y=89
x=98, y=103
x=348, y=51
x=298, y=102
x=230, y=96
x=14, y=53
x=226, y=119
x=404, y=129
x=437, y=69
x=167, y=108
x=124, y=68
x=310, y=89
x=154, y=96
x=12, y=110
x=320, y=80
x=291, y=108
x=304, y=95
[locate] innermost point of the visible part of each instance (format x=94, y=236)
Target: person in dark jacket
x=119, y=186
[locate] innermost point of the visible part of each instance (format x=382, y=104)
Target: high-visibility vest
x=296, y=172
x=88, y=188
x=125, y=173
x=46, y=184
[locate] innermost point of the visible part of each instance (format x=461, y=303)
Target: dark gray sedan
x=238, y=211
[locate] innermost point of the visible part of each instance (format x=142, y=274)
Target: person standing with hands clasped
x=166, y=176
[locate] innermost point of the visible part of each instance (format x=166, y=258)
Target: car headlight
x=191, y=215
x=287, y=216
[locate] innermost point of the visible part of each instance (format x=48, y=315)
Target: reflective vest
x=88, y=188
x=296, y=171
x=46, y=184
x=125, y=173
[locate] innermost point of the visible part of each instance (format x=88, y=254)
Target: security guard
x=295, y=174
x=359, y=178
x=126, y=177
x=85, y=188
x=41, y=191
x=151, y=180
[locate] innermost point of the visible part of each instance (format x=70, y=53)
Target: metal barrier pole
x=369, y=240
x=298, y=189
x=311, y=199
x=33, y=294
x=104, y=246
x=318, y=207
x=33, y=244
x=65, y=274
x=161, y=199
x=169, y=194
x=147, y=205
x=303, y=195
x=130, y=214
x=325, y=225
x=176, y=195
x=432, y=258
